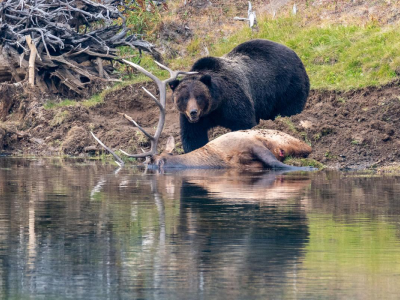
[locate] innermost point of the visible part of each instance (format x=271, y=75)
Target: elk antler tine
x=141, y=155
x=164, y=67
x=162, y=87
x=117, y=170
x=119, y=160
x=139, y=127
x=185, y=73
x=123, y=152
x=152, y=96
x=175, y=74
x=147, y=73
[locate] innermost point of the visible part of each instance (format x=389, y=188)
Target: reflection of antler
x=102, y=181
x=161, y=210
x=162, y=87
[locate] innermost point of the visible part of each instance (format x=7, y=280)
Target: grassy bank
x=336, y=56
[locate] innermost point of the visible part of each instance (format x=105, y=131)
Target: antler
x=162, y=87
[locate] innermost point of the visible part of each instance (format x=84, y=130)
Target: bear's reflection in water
x=240, y=234
x=78, y=233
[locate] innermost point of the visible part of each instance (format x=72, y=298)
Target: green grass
x=336, y=56
x=63, y=103
x=59, y=118
x=304, y=162
x=141, y=21
x=393, y=169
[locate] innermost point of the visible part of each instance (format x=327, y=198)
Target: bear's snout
x=193, y=116
x=192, y=111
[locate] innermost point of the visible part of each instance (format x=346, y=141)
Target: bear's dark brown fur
x=259, y=79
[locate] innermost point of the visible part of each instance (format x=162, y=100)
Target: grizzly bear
x=259, y=79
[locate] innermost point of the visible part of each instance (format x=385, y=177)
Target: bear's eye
x=181, y=100
x=201, y=100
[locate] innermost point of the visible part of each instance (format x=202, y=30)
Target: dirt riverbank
x=356, y=129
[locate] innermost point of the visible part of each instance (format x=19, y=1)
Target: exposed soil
x=172, y=34
x=65, y=130
x=319, y=11
x=356, y=129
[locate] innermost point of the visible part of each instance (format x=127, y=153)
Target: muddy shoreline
x=357, y=129
x=347, y=130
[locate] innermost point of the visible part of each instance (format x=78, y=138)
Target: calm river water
x=77, y=230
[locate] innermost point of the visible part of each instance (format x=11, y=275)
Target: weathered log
x=32, y=59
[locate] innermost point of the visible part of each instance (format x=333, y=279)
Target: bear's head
x=192, y=96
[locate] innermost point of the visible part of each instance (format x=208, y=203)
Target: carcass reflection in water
x=83, y=231
x=238, y=232
x=263, y=187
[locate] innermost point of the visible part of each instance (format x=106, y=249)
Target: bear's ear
x=174, y=84
x=206, y=79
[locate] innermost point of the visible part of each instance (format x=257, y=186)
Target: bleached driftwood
x=32, y=58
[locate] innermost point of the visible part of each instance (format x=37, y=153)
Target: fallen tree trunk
x=76, y=42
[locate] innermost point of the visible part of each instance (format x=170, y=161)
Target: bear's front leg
x=193, y=135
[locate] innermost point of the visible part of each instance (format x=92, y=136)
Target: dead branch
x=77, y=41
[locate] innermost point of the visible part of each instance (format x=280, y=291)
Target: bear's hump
x=259, y=48
x=208, y=63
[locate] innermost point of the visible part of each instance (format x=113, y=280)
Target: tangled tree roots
x=76, y=42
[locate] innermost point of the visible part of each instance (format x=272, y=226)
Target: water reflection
x=79, y=230
x=252, y=243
